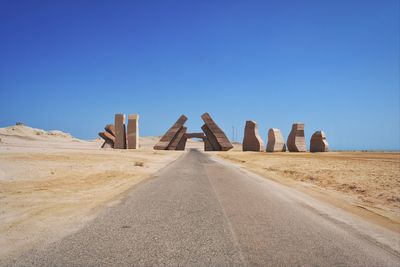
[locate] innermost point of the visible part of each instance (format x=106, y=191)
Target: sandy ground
x=51, y=184
x=365, y=180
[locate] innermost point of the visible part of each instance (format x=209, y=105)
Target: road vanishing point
x=200, y=211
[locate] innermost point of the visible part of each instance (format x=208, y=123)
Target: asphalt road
x=199, y=212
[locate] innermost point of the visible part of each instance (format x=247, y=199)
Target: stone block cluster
x=118, y=136
x=176, y=137
x=296, y=141
x=173, y=133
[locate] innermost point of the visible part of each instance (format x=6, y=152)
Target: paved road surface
x=198, y=212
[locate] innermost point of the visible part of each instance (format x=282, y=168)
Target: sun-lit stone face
x=296, y=141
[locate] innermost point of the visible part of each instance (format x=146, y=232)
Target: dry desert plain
x=51, y=184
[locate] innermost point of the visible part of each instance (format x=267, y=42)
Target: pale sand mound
x=51, y=183
x=366, y=180
x=29, y=133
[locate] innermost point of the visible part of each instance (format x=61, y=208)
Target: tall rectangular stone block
x=120, y=133
x=133, y=131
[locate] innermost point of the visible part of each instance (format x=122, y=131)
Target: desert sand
x=361, y=182
x=51, y=183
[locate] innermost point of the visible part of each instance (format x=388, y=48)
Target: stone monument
x=318, y=142
x=178, y=137
x=167, y=138
x=276, y=143
x=214, y=130
x=296, y=141
x=110, y=128
x=109, y=139
x=252, y=140
x=120, y=132
x=133, y=131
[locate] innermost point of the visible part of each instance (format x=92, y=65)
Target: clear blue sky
x=334, y=65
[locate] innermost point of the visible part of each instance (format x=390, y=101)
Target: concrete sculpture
x=168, y=137
x=195, y=135
x=178, y=137
x=276, y=143
x=109, y=139
x=115, y=135
x=318, y=142
x=133, y=131
x=110, y=128
x=212, y=130
x=120, y=133
x=182, y=143
x=252, y=140
x=211, y=139
x=175, y=138
x=296, y=141
x=207, y=145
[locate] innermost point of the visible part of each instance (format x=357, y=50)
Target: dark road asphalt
x=198, y=212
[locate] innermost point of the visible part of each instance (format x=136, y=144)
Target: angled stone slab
x=276, y=143
x=211, y=138
x=222, y=140
x=168, y=137
x=107, y=136
x=296, y=141
x=108, y=139
x=182, y=143
x=207, y=145
x=110, y=128
x=107, y=144
x=133, y=131
x=120, y=132
x=174, y=144
x=252, y=140
x=318, y=142
x=195, y=135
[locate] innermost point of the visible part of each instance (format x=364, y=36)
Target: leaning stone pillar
x=133, y=131
x=120, y=133
x=207, y=145
x=168, y=137
x=211, y=138
x=223, y=141
x=178, y=137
